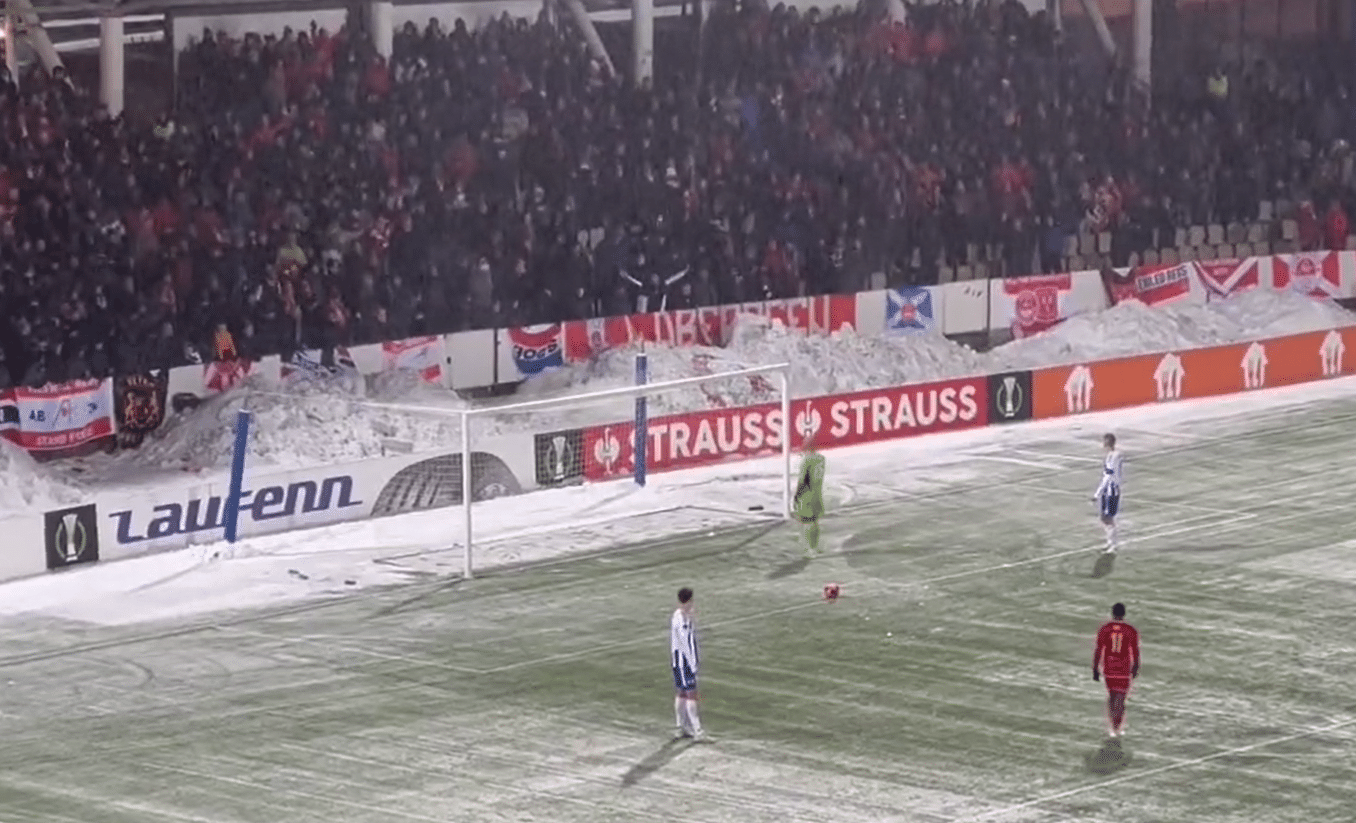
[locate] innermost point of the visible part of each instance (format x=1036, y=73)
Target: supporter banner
x=1317, y=274
x=417, y=354
x=221, y=376
x=911, y=311
x=60, y=419
x=1189, y=280
x=1225, y=278
x=711, y=326
x=139, y=401
x=1037, y=301
x=537, y=348
x=317, y=364
x=1153, y=285
x=701, y=438
x=1192, y=373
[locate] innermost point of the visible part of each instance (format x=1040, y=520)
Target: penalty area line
x=1212, y=522
x=1129, y=778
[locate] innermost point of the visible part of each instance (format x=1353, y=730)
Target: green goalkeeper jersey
x=809, y=502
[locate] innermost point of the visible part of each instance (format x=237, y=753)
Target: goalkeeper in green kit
x=808, y=504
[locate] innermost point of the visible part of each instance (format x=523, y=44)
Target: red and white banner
x=1037, y=301
x=417, y=354
x=1317, y=273
x=710, y=326
x=1224, y=278
x=684, y=441
x=1156, y=285
x=223, y=375
x=58, y=419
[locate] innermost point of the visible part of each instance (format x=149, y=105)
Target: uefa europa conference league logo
x=1010, y=397
x=559, y=457
x=72, y=537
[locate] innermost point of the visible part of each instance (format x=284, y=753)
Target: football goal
x=622, y=435
x=321, y=455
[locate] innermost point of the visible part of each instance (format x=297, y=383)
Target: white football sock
x=1110, y=530
x=694, y=722
x=680, y=713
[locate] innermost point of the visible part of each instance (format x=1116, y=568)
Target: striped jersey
x=1111, y=474
x=683, y=640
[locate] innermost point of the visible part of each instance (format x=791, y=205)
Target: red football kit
x=1117, y=655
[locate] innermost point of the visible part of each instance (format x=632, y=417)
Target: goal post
x=618, y=407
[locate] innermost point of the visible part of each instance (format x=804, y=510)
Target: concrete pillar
x=581, y=18
x=1099, y=24
x=112, y=68
x=381, y=22
x=11, y=48
x=1143, y=41
x=642, y=40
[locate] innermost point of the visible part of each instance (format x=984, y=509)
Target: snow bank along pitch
x=294, y=480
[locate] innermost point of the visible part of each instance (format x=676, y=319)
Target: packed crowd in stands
x=306, y=193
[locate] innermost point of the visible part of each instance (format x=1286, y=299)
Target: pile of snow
x=320, y=421
x=842, y=362
x=25, y=486
x=1134, y=328
x=347, y=417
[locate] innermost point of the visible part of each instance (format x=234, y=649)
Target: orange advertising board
x=1191, y=373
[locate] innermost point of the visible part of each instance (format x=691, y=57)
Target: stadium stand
x=304, y=192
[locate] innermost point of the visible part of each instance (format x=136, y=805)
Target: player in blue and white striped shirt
x=1108, y=494
x=683, y=655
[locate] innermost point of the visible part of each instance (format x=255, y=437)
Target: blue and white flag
x=909, y=311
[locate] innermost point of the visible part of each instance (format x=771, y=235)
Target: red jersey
x=1117, y=653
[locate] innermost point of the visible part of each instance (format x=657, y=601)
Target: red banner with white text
x=708, y=326
x=700, y=438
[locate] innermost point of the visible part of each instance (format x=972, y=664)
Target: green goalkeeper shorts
x=808, y=507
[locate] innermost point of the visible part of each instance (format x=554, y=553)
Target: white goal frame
x=782, y=370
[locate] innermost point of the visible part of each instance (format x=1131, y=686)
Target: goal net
x=613, y=461
x=614, y=440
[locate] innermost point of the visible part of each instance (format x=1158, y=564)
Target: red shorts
x=1117, y=685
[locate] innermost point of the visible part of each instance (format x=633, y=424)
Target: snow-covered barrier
x=164, y=517
x=701, y=438
x=323, y=423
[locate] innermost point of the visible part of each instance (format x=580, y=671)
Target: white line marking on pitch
x=1157, y=503
x=325, y=641
x=265, y=790
x=1046, y=464
x=1195, y=761
x=1212, y=523
x=1073, y=458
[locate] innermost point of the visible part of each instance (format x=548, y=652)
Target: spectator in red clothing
x=1310, y=230
x=223, y=344
x=1336, y=227
x=797, y=153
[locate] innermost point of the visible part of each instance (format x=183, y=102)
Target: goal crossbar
x=782, y=370
x=624, y=392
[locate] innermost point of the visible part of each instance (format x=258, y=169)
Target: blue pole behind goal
x=642, y=377
x=242, y=441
